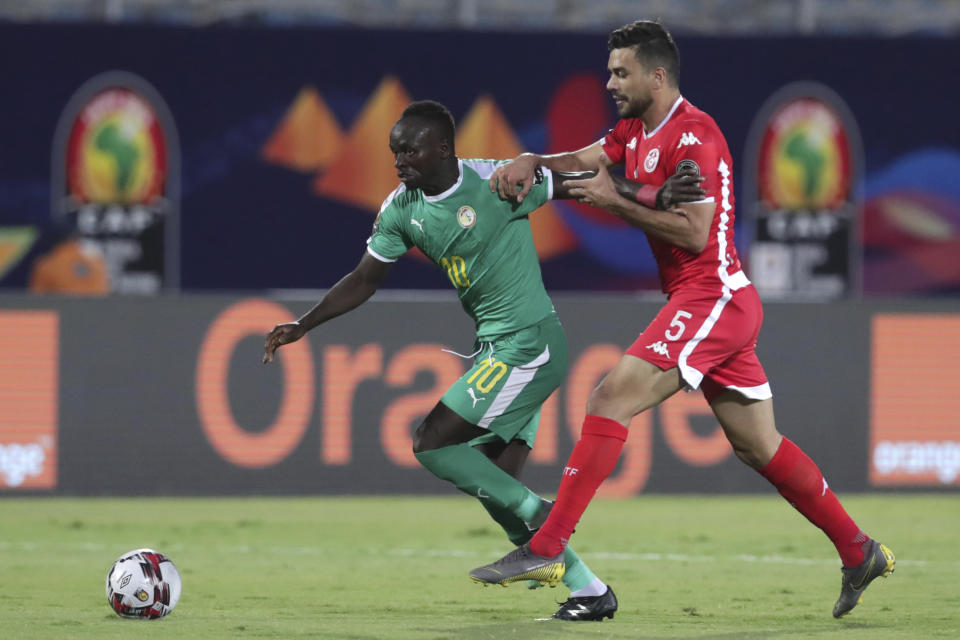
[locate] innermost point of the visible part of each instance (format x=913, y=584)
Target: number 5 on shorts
x=677, y=323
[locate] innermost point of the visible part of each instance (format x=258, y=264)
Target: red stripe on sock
x=799, y=480
x=592, y=460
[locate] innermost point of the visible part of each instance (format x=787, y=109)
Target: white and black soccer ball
x=143, y=584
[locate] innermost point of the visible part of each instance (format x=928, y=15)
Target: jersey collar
x=676, y=105
x=448, y=192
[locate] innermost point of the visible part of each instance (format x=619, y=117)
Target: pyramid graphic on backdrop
x=14, y=244
x=485, y=133
x=308, y=138
x=363, y=174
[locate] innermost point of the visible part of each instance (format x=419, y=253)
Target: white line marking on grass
x=454, y=553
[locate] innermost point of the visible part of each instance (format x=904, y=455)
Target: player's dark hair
x=652, y=44
x=436, y=114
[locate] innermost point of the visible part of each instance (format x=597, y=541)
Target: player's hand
x=519, y=171
x=598, y=191
x=280, y=335
x=680, y=188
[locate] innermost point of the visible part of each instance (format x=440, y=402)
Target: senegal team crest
x=466, y=216
x=115, y=177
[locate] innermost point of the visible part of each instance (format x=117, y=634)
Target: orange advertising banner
x=28, y=399
x=914, y=404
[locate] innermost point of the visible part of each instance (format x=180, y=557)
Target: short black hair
x=434, y=113
x=652, y=44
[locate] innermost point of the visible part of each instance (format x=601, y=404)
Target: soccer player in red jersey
x=705, y=336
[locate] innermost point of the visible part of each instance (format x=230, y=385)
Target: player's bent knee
x=421, y=439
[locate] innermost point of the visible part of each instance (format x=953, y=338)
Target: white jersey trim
x=393, y=194
x=484, y=168
x=548, y=176
x=519, y=378
x=739, y=279
x=377, y=255
x=449, y=192
x=676, y=105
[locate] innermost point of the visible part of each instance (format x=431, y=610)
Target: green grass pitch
x=363, y=568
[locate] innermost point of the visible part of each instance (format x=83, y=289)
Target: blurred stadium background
x=225, y=161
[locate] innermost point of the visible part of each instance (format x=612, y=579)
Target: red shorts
x=712, y=337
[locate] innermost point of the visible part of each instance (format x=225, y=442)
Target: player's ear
x=660, y=77
x=446, y=148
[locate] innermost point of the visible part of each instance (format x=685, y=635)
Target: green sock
x=515, y=528
x=476, y=475
x=578, y=574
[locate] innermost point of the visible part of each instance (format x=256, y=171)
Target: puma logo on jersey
x=688, y=139
x=632, y=144
x=659, y=347
x=418, y=223
x=473, y=396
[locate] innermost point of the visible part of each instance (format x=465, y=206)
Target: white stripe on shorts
x=760, y=392
x=692, y=376
x=519, y=378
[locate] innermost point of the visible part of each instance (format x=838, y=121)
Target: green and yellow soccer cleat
x=878, y=562
x=521, y=564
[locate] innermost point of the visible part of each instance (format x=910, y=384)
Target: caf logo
x=466, y=216
x=116, y=150
x=804, y=159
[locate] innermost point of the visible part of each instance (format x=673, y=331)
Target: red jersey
x=686, y=137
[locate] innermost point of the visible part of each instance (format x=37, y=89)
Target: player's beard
x=635, y=108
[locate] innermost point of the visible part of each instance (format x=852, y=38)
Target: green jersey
x=483, y=243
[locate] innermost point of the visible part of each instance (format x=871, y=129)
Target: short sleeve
x=615, y=143
x=541, y=191
x=388, y=241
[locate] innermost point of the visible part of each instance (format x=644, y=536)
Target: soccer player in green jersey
x=480, y=432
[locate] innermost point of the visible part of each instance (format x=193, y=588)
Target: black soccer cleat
x=878, y=561
x=521, y=564
x=588, y=608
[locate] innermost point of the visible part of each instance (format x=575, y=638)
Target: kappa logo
x=417, y=223
x=473, y=396
x=632, y=144
x=688, y=139
x=659, y=347
x=651, y=162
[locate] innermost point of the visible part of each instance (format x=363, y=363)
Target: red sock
x=798, y=479
x=593, y=459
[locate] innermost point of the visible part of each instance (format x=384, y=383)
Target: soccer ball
x=143, y=584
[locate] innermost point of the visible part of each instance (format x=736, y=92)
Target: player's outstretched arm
x=520, y=171
x=350, y=292
x=680, y=188
x=686, y=227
